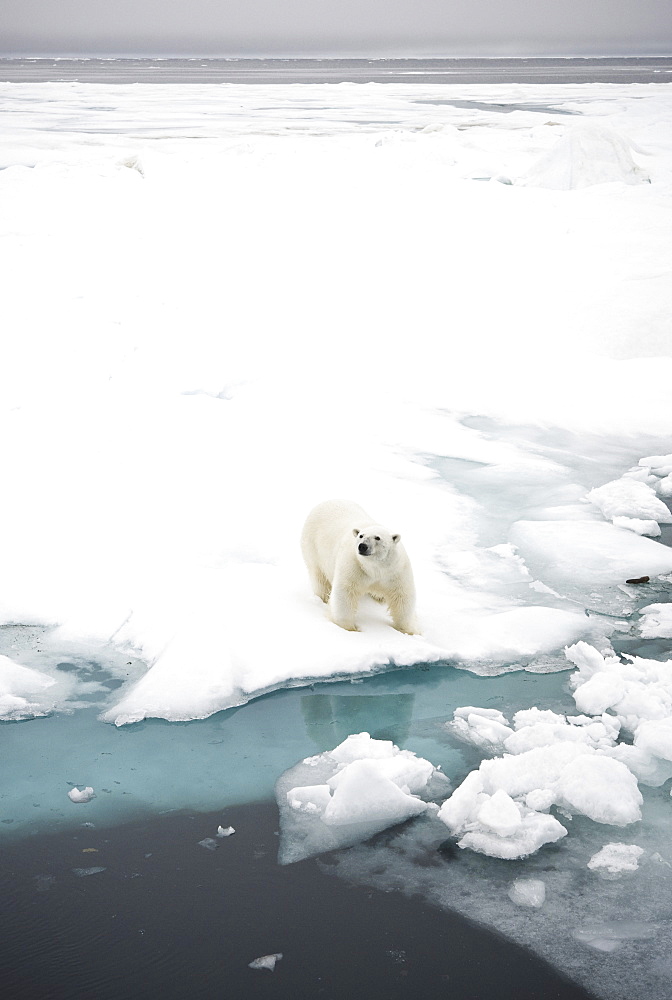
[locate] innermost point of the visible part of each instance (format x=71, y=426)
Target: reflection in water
x=330, y=718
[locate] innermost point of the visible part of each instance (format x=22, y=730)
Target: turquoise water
x=235, y=756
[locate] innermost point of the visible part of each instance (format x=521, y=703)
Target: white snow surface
x=223, y=304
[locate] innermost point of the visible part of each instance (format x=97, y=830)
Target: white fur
x=348, y=555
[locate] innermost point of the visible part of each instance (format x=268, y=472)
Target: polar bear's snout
x=363, y=549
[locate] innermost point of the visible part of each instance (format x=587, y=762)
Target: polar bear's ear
x=395, y=538
x=355, y=532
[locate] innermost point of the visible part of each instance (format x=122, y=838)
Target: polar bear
x=348, y=555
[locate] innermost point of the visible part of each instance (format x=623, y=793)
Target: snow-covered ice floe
x=197, y=354
x=350, y=793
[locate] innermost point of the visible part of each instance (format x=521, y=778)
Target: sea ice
x=528, y=892
x=610, y=935
x=571, y=775
x=589, y=553
x=209, y=844
x=641, y=526
x=266, y=962
x=81, y=795
x=615, y=858
x=656, y=621
x=225, y=831
x=26, y=692
x=629, y=498
x=486, y=728
x=636, y=690
x=367, y=785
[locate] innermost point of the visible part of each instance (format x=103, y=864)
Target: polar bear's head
x=375, y=541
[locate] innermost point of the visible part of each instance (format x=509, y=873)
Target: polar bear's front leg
x=402, y=609
x=343, y=605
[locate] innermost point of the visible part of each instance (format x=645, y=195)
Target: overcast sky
x=336, y=27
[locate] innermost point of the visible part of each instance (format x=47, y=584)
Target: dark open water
x=167, y=918
x=432, y=71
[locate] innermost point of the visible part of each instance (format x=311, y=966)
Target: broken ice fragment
x=609, y=936
x=85, y=795
x=225, y=831
x=209, y=844
x=527, y=892
x=614, y=859
x=266, y=962
x=83, y=872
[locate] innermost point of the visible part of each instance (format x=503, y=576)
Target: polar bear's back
x=325, y=528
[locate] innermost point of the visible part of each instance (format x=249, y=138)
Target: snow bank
x=348, y=794
x=586, y=155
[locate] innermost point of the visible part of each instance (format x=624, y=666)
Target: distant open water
x=283, y=71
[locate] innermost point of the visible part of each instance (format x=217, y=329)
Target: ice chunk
x=528, y=892
x=637, y=524
x=600, y=692
x=636, y=690
x=209, y=844
x=660, y=465
x=266, y=962
x=310, y=798
x=610, y=935
x=500, y=814
x=586, y=155
x=588, y=553
x=543, y=735
x=655, y=737
x=574, y=776
x=533, y=716
x=631, y=499
x=83, y=795
x=83, y=872
x=340, y=798
x=535, y=830
x=26, y=692
x=647, y=768
x=361, y=745
x=486, y=728
x=540, y=799
x=657, y=621
x=601, y=788
x=362, y=793
x=225, y=831
x=616, y=858
x=664, y=486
